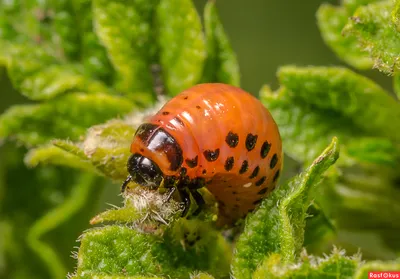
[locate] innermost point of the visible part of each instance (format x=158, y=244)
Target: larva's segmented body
x=212, y=135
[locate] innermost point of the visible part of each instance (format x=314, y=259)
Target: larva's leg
x=186, y=201
x=171, y=191
x=123, y=186
x=199, y=200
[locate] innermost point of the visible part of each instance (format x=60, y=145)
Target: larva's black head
x=144, y=171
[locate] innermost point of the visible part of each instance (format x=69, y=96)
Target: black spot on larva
x=230, y=186
x=165, y=112
x=263, y=191
x=198, y=107
x=141, y=150
x=255, y=172
x=229, y=163
x=276, y=176
x=221, y=203
x=273, y=162
x=236, y=206
x=244, y=167
x=257, y=201
x=234, y=193
x=204, y=171
x=232, y=139
x=178, y=120
x=192, y=162
x=261, y=181
x=185, y=98
x=210, y=155
x=265, y=149
x=251, y=141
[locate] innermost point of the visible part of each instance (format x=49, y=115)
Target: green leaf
x=117, y=250
x=354, y=195
x=336, y=265
x=352, y=5
x=142, y=209
x=181, y=44
x=380, y=151
x=125, y=29
x=22, y=18
x=373, y=28
x=301, y=123
x=25, y=60
x=56, y=80
x=331, y=21
x=319, y=228
x=396, y=14
x=318, y=103
x=49, y=24
x=346, y=93
x=38, y=76
x=93, y=54
x=363, y=271
x=278, y=225
x=53, y=155
x=7, y=32
x=63, y=29
x=57, y=23
x=66, y=117
x=105, y=146
x=221, y=64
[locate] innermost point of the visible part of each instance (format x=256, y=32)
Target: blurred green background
x=265, y=34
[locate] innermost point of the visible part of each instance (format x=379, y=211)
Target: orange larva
x=211, y=135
